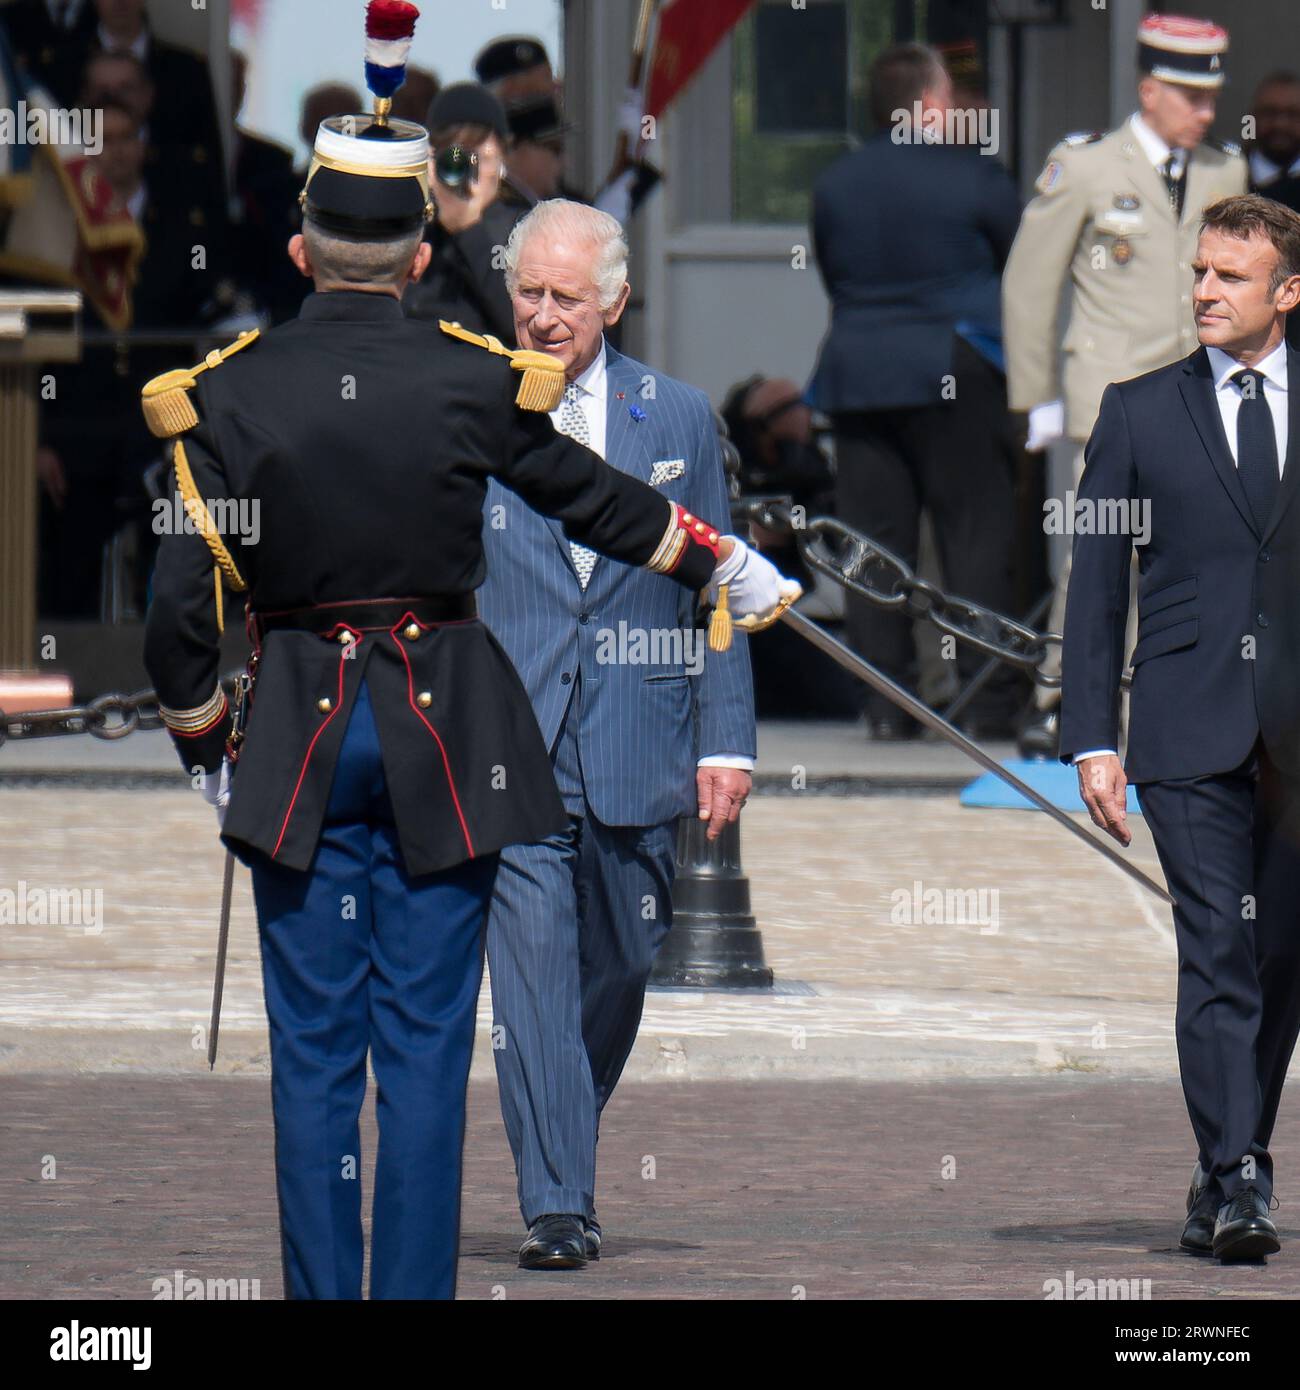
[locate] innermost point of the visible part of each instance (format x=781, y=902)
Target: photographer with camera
x=465, y=282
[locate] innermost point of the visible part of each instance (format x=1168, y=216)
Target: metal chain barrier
x=829, y=547
x=861, y=566
x=107, y=716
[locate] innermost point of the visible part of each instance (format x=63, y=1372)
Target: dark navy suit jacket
x=910, y=241
x=1217, y=660
x=646, y=717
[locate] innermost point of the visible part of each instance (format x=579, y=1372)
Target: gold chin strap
x=542, y=387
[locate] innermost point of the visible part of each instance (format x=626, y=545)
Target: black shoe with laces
x=1243, y=1230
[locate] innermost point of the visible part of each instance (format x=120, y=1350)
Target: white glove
x=216, y=790
x=756, y=589
x=1046, y=425
x=629, y=118
x=616, y=196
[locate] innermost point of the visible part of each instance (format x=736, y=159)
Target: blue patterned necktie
x=574, y=423
x=1256, y=446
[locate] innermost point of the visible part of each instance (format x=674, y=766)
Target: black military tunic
x=347, y=453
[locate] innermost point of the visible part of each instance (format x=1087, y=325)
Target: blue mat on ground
x=1058, y=783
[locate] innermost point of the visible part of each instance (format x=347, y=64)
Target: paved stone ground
x=760, y=1190
x=1073, y=966
x=798, y=1138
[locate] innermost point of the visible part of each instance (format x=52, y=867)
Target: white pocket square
x=665, y=470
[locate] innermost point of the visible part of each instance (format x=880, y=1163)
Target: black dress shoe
x=1243, y=1230
x=593, y=1235
x=554, y=1242
x=1198, y=1229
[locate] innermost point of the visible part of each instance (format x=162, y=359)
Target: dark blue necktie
x=1256, y=446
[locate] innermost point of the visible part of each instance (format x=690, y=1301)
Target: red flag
x=689, y=30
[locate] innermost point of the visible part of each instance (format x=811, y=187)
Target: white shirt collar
x=140, y=48
x=1264, y=171
x=592, y=380
x=74, y=11
x=1153, y=146
x=1273, y=368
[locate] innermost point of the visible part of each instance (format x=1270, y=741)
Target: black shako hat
x=369, y=175
x=368, y=180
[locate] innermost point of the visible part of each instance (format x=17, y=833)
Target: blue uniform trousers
x=358, y=955
x=575, y=923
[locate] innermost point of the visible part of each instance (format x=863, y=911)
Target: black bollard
x=714, y=942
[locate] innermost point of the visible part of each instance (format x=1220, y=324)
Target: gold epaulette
x=165, y=400
x=542, y=387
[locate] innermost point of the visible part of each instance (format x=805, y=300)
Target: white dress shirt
x=1227, y=396
x=593, y=400
x=1155, y=148
x=592, y=384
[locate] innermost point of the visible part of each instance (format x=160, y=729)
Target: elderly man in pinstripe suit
x=642, y=728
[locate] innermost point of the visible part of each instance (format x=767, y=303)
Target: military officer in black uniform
x=390, y=750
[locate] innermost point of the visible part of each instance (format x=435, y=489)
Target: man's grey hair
x=570, y=221
x=337, y=259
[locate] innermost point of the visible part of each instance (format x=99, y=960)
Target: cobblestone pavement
x=773, y=1190
x=1069, y=965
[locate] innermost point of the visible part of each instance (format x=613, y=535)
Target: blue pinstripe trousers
x=574, y=926
x=358, y=955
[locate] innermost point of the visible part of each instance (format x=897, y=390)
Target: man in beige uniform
x=1115, y=224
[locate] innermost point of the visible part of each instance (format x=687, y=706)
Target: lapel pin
x=636, y=413
x=618, y=395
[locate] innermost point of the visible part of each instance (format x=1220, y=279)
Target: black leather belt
x=369, y=614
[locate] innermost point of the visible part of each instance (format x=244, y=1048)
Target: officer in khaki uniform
x=1117, y=216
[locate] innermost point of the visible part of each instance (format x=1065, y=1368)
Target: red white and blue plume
x=390, y=25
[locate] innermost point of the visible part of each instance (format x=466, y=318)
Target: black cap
x=467, y=103
x=536, y=119
x=368, y=180
x=505, y=57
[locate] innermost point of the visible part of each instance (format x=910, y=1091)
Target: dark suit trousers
x=1230, y=848
x=575, y=924
x=892, y=463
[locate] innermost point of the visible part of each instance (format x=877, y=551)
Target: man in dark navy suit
x=911, y=233
x=1204, y=455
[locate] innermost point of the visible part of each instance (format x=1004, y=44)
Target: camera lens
x=456, y=166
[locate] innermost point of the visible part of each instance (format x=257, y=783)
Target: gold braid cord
x=169, y=413
x=542, y=386
x=196, y=508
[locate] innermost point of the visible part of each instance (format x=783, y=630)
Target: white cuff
x=736, y=760
x=1094, y=753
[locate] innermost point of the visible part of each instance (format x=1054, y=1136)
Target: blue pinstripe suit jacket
x=646, y=719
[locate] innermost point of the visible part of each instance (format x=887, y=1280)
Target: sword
x=864, y=671
x=223, y=935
